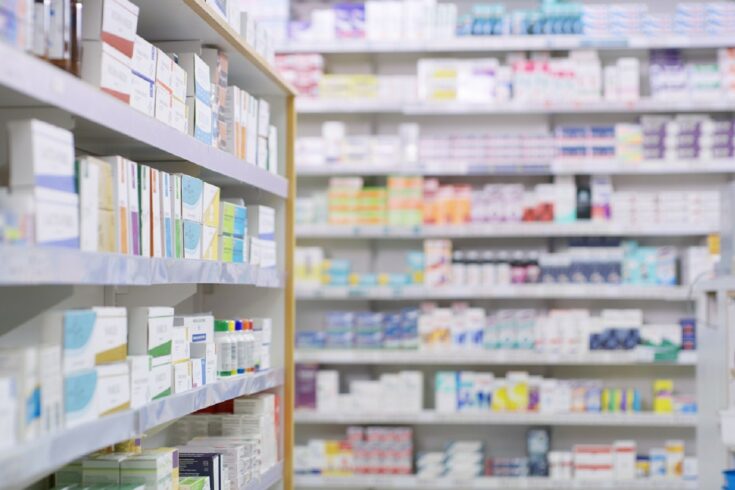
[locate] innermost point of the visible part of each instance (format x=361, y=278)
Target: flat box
x=120, y=190
x=261, y=157
x=144, y=59
x=261, y=222
x=150, y=468
x=199, y=114
x=197, y=367
x=113, y=22
x=102, y=469
x=94, y=181
x=179, y=344
x=133, y=208
x=106, y=231
x=181, y=380
x=108, y=69
x=231, y=249
x=160, y=381
x=201, y=464
x=41, y=155
x=273, y=150
x=192, y=240
x=156, y=214
x=251, y=125
x=80, y=388
x=56, y=220
x=199, y=328
x=164, y=104
x=167, y=224
x=192, y=199
x=144, y=175
x=211, y=205
x=210, y=243
x=52, y=391
x=194, y=483
x=179, y=116
x=178, y=224
x=179, y=79
x=143, y=95
x=113, y=388
x=198, y=83
x=264, y=118
x=111, y=334
x=104, y=183
x=150, y=333
x=140, y=369
x=164, y=69
x=232, y=219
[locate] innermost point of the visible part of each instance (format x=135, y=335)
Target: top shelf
x=103, y=123
x=167, y=20
x=489, y=44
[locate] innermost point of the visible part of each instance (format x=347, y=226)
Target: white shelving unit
x=402, y=357
x=427, y=417
x=36, y=279
x=524, y=291
x=377, y=249
x=380, y=482
x=500, y=230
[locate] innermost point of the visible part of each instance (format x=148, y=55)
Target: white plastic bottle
x=224, y=347
x=249, y=346
x=241, y=347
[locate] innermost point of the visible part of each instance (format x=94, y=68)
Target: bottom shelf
x=271, y=476
x=379, y=482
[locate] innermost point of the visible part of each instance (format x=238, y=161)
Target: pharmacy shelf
x=487, y=44
x=429, y=417
x=27, y=82
x=525, y=291
x=176, y=406
x=270, y=477
x=378, y=106
x=502, y=230
x=174, y=20
x=26, y=463
x=573, y=167
x=399, y=357
x=410, y=481
x=26, y=266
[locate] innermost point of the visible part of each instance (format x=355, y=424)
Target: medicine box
x=201, y=464
x=152, y=469
x=179, y=82
x=210, y=243
x=160, y=381
x=179, y=115
x=231, y=249
x=73, y=330
x=178, y=224
x=142, y=95
x=273, y=150
x=264, y=118
x=179, y=344
x=261, y=222
x=102, y=469
x=52, y=389
x=150, y=333
x=80, y=388
x=164, y=71
x=120, y=190
x=232, y=219
x=199, y=119
x=113, y=22
x=41, y=155
x=143, y=63
x=198, y=83
x=133, y=207
x=113, y=388
x=192, y=240
x=156, y=216
x=199, y=328
x=107, y=68
x=56, y=220
x=261, y=157
x=211, y=203
x=251, y=117
x=22, y=365
x=194, y=483
x=111, y=334
x=164, y=104
x=197, y=367
x=192, y=201
x=144, y=173
x=94, y=182
x=181, y=377
x=139, y=368
x=167, y=224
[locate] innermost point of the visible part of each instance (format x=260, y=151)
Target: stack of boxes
x=198, y=332
x=144, y=86
x=198, y=93
x=233, y=224
x=462, y=460
x=261, y=221
x=151, y=334
x=109, y=28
